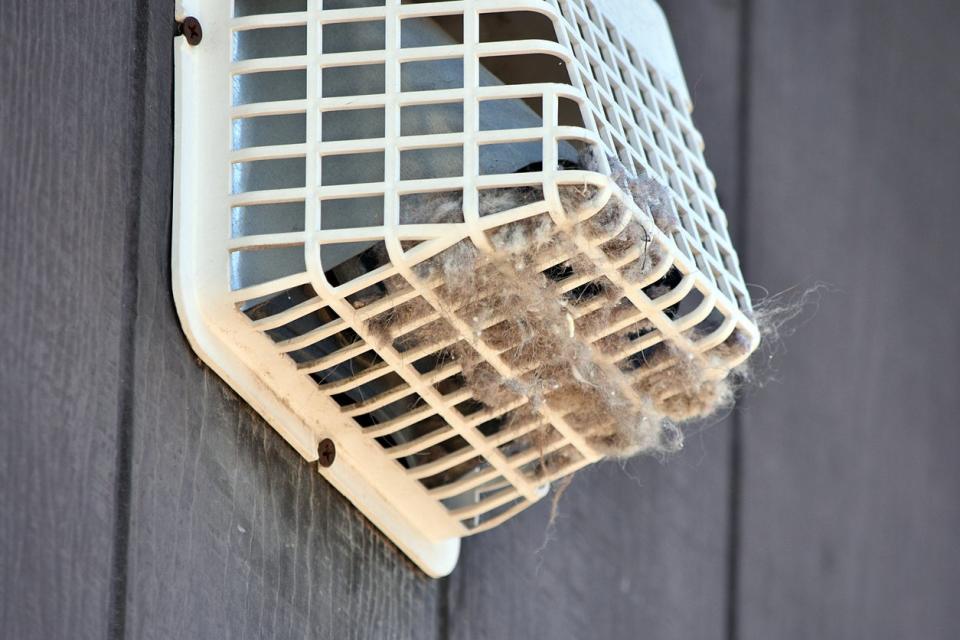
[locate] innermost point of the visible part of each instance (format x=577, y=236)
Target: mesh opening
x=503, y=26
x=431, y=75
x=432, y=119
x=345, y=37
x=254, y=7
x=550, y=464
x=441, y=206
x=487, y=493
x=351, y=168
x=503, y=158
x=270, y=43
x=528, y=68
x=298, y=326
x=250, y=268
x=365, y=259
x=267, y=218
x=422, y=32
x=349, y=213
x=261, y=131
x=269, y=86
x=350, y=4
x=349, y=368
x=490, y=111
x=473, y=466
x=280, y=303
x=437, y=452
x=494, y=514
x=318, y=349
x=353, y=80
x=423, y=164
x=259, y=175
x=352, y=124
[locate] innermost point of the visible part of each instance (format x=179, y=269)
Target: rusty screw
x=191, y=30
x=326, y=452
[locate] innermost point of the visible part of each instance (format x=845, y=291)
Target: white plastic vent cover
x=305, y=129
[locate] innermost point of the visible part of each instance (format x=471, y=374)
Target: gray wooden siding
x=140, y=498
x=851, y=487
x=69, y=166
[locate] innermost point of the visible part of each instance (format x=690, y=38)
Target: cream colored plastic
x=633, y=102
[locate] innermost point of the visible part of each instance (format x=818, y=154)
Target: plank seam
x=129, y=301
x=443, y=608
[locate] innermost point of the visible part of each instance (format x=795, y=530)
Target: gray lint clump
x=512, y=302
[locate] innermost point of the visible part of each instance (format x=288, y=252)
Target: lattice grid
x=411, y=400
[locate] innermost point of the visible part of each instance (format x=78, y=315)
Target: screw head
x=191, y=30
x=326, y=452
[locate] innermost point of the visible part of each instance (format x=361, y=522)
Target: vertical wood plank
x=638, y=550
x=232, y=533
x=850, y=509
x=67, y=189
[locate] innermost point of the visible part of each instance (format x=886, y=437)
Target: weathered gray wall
x=851, y=486
x=139, y=498
x=69, y=167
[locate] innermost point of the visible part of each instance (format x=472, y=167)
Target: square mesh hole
x=250, y=268
x=511, y=113
x=350, y=4
x=431, y=75
x=437, y=452
x=352, y=168
x=258, y=175
x=345, y=37
x=256, y=7
x=267, y=218
x=354, y=80
x=435, y=207
x=345, y=370
x=348, y=213
x=455, y=473
x=263, y=131
x=424, y=164
x=269, y=86
x=509, y=158
x=427, y=32
x=431, y=119
x=352, y=124
x=270, y=43
x=280, y=302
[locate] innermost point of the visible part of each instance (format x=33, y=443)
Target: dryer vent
x=474, y=243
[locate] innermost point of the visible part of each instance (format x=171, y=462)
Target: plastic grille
x=337, y=143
